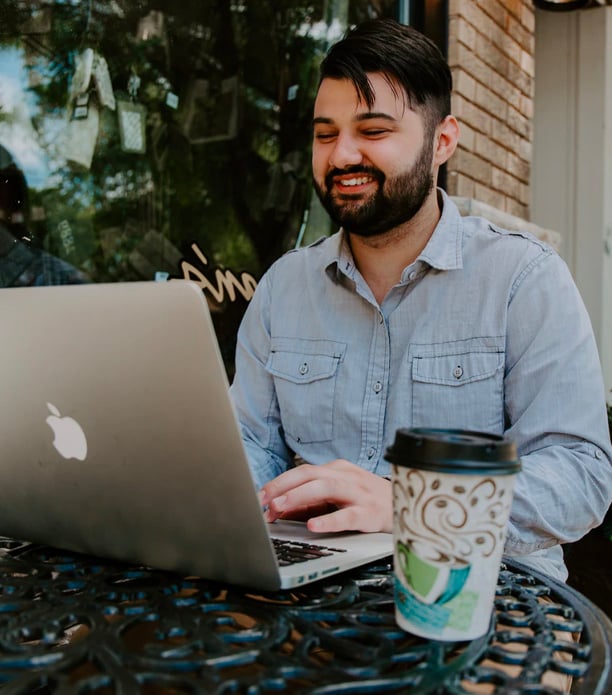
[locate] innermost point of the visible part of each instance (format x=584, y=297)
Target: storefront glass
x=144, y=140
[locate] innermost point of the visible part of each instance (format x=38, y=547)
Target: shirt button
x=377, y=387
x=303, y=368
x=371, y=452
x=458, y=372
x=598, y=454
x=412, y=275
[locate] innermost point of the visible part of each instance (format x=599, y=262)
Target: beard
x=396, y=200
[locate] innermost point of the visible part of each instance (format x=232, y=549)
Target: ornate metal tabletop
x=76, y=624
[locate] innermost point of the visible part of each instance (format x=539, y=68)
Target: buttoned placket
x=376, y=393
x=375, y=399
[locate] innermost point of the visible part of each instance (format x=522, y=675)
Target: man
x=414, y=316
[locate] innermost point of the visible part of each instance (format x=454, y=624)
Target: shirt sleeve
x=555, y=411
x=253, y=392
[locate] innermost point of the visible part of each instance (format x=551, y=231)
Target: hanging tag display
x=102, y=82
x=172, y=100
x=153, y=26
x=133, y=85
x=132, y=126
x=210, y=113
x=82, y=72
x=80, y=136
x=81, y=107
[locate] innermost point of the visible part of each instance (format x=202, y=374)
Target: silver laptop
x=119, y=439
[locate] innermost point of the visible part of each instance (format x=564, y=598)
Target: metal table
x=77, y=624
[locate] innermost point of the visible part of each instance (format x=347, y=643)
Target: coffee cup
x=452, y=492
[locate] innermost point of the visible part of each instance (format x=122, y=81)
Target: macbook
x=119, y=439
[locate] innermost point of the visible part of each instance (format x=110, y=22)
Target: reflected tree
x=199, y=136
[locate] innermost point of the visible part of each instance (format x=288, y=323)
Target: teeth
x=359, y=181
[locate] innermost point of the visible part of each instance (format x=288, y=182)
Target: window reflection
x=23, y=260
x=163, y=139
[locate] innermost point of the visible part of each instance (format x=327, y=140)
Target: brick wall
x=491, y=54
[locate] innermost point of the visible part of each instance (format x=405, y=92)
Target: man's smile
x=354, y=181
x=351, y=183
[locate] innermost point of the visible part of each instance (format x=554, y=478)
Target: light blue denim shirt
x=485, y=331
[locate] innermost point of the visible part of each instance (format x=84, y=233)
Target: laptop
x=119, y=439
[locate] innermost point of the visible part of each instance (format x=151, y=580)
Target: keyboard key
x=291, y=552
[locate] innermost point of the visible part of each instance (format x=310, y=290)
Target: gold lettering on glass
x=225, y=281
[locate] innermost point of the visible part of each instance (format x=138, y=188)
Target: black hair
x=399, y=52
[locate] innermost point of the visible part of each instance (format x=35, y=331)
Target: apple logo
x=69, y=438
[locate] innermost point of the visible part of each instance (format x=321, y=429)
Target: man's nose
x=345, y=153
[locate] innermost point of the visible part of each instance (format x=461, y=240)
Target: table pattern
x=71, y=623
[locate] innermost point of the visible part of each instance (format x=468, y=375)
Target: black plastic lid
x=453, y=451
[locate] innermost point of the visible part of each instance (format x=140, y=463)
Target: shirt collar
x=443, y=251
x=340, y=262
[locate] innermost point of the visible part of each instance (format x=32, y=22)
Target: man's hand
x=336, y=496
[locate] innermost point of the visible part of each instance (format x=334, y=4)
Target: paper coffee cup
x=452, y=492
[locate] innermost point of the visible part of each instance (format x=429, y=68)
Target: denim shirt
x=485, y=331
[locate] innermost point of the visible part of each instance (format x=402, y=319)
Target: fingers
x=295, y=477
x=302, y=514
x=337, y=496
x=310, y=498
x=304, y=491
x=345, y=519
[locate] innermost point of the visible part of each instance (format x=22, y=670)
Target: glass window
x=147, y=140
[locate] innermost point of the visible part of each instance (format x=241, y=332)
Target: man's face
x=372, y=168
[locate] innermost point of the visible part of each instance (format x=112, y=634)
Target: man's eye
x=374, y=132
x=324, y=136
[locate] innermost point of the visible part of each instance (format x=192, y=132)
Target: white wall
x=572, y=158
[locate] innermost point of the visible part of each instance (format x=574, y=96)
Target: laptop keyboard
x=290, y=552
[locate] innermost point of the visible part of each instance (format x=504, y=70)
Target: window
x=144, y=140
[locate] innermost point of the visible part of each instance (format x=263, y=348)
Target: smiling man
x=411, y=315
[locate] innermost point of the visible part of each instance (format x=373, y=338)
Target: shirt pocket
x=305, y=375
x=458, y=388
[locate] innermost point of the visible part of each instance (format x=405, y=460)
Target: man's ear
x=446, y=138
